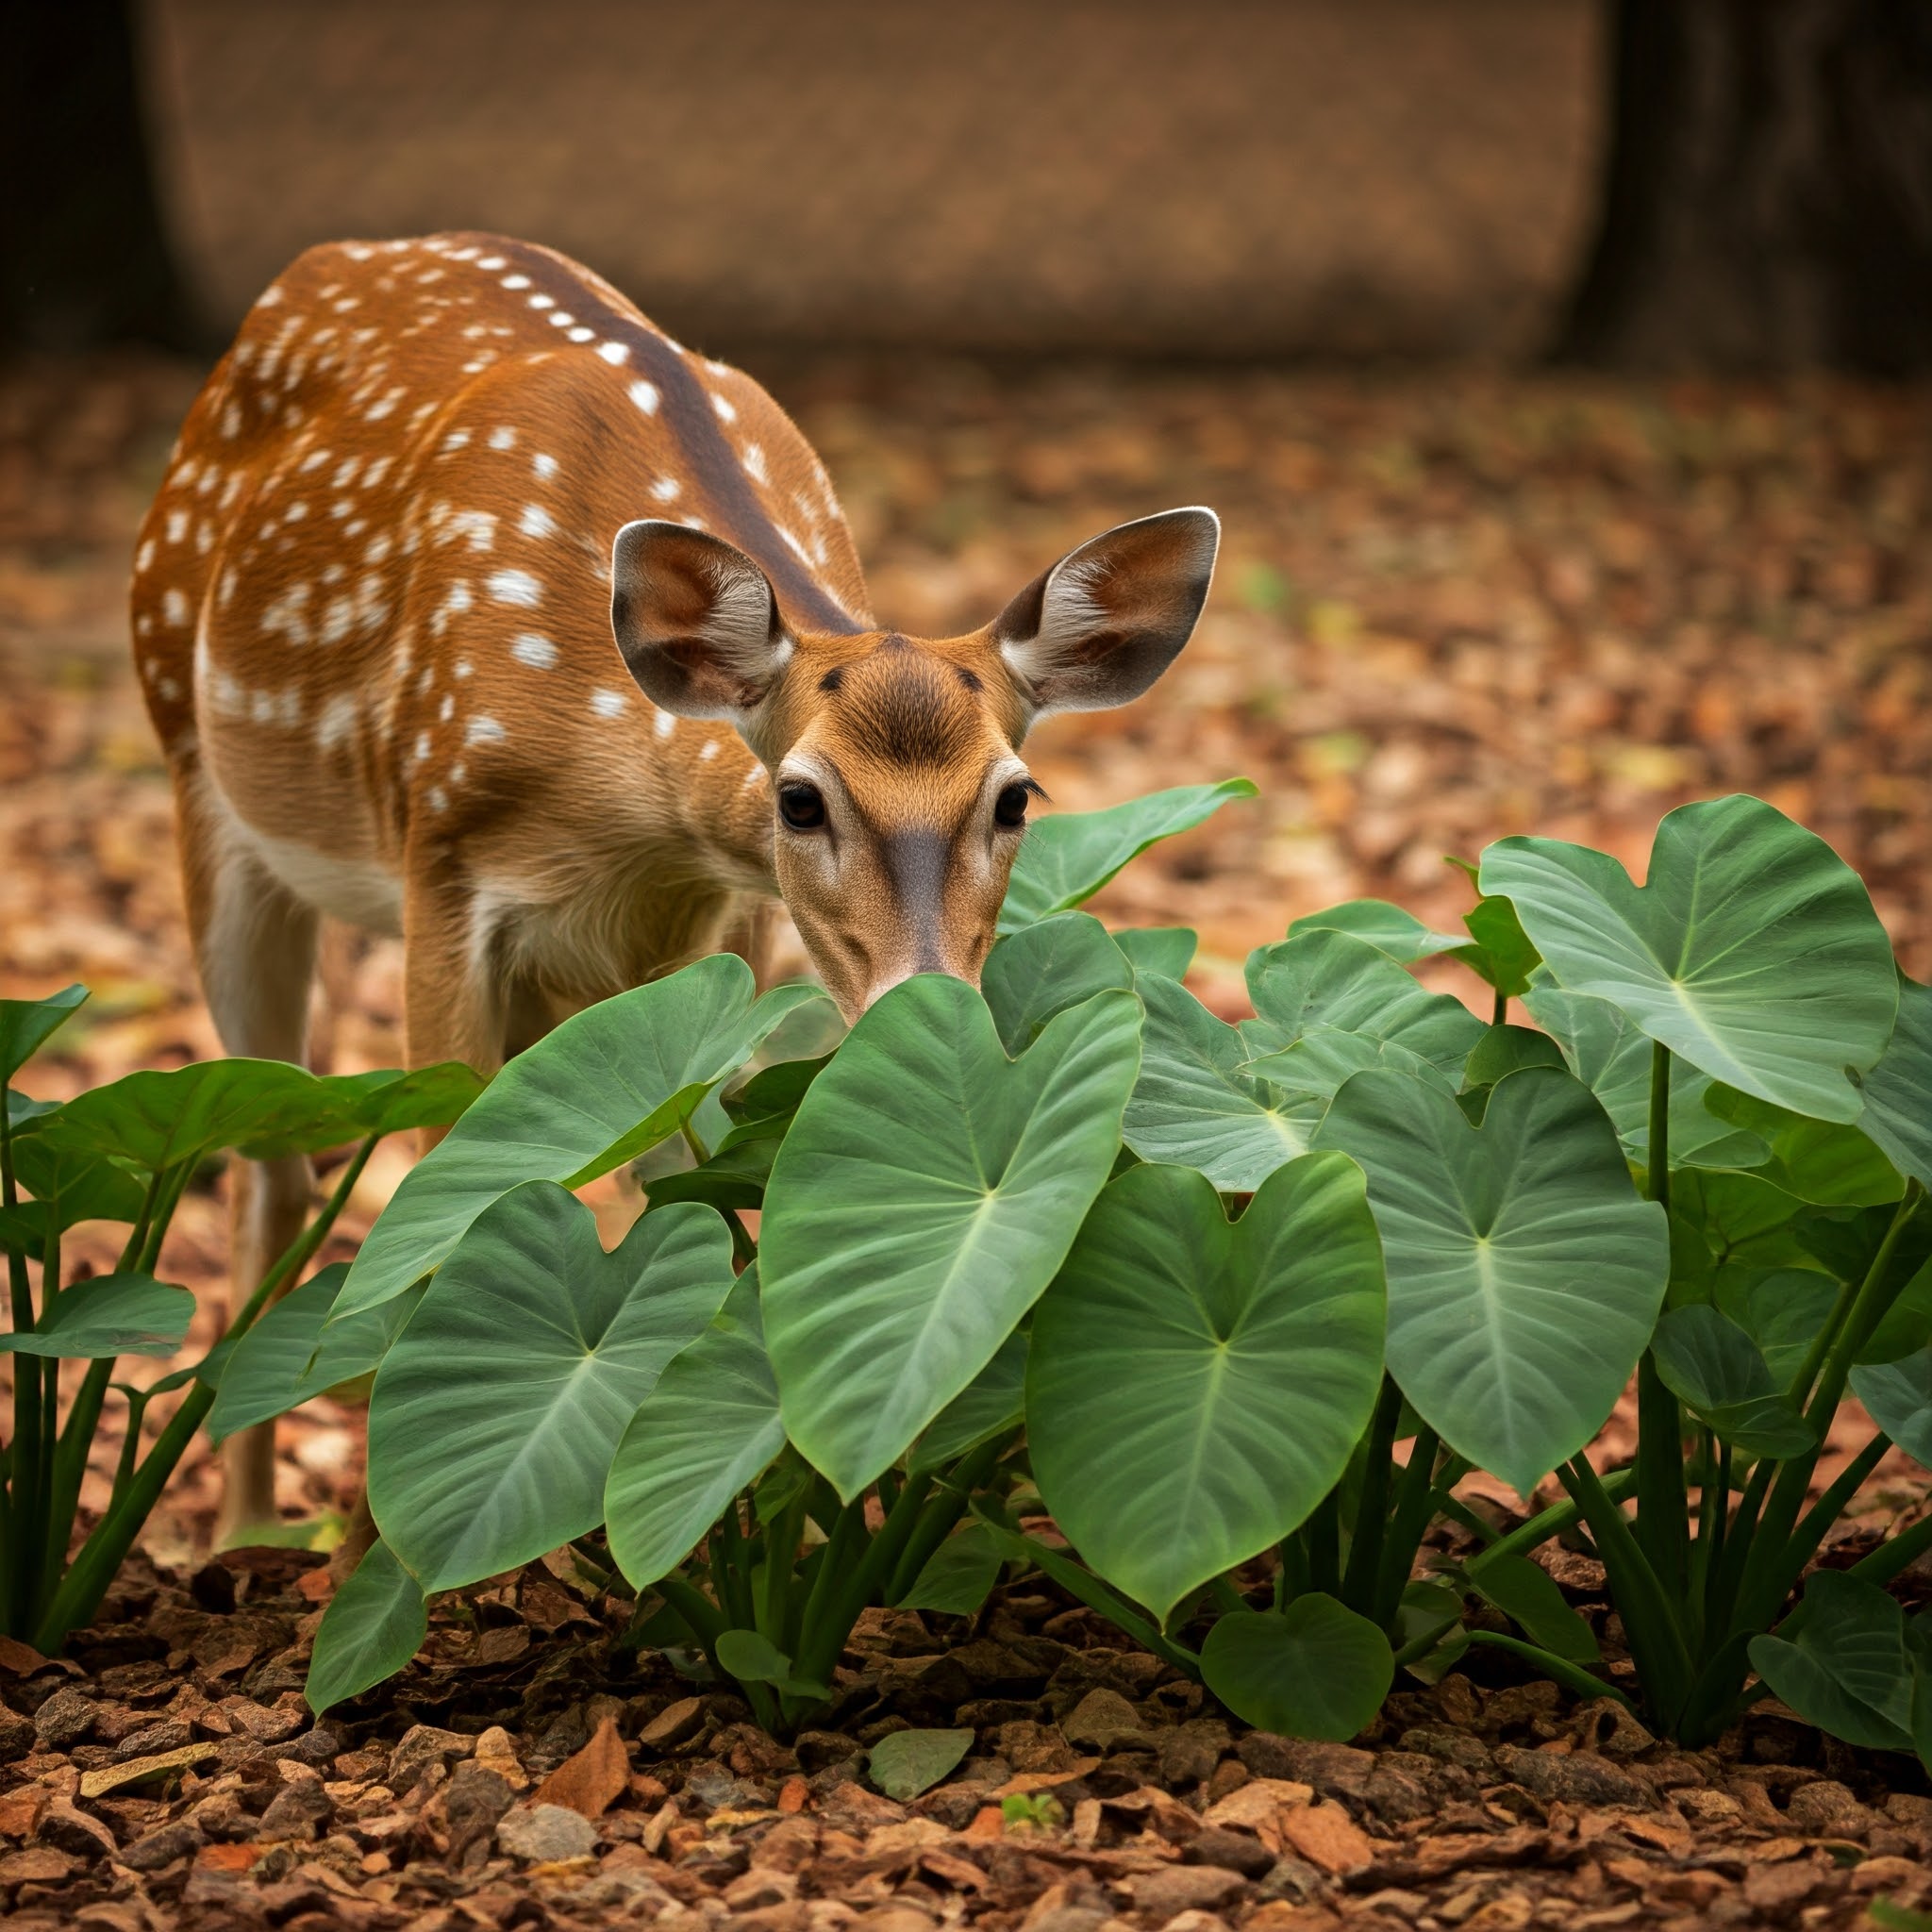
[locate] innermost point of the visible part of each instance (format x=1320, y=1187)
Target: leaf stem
x=1361, y=1580
x=1415, y=1492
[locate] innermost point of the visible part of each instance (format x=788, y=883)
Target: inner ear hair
x=1108, y=617
x=694, y=619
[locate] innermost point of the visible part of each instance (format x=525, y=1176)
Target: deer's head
x=900, y=795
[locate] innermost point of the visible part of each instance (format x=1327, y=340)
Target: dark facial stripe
x=685, y=406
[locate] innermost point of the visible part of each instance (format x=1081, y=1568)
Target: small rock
x=1335, y=1770
x=162, y=1846
x=266, y=1724
x=1191, y=1752
x=676, y=1722
x=1326, y=1835
x=65, y=1720
x=1577, y=1777
x=1828, y=1810
x=1451, y=1746
x=171, y=1734
x=77, y=1833
x=299, y=1809
x=545, y=1834
x=1101, y=1716
x=892, y=1919
x=475, y=1800
x=1396, y=1796
x=16, y=1735
x=496, y=1751
x=1182, y=1888
x=424, y=1748
x=1233, y=1850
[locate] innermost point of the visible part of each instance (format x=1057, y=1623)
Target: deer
x=474, y=609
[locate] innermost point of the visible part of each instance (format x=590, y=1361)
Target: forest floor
x=1452, y=606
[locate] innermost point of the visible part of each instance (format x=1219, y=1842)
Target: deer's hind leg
x=254, y=950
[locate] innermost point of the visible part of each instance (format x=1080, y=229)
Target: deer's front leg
x=455, y=1002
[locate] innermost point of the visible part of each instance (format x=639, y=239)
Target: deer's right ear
x=696, y=620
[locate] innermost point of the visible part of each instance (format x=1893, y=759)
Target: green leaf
x=373, y=1626
x=958, y=1575
x=990, y=1404
x=754, y=1658
x=496, y=1413
x=1504, y=1049
x=1387, y=927
x=1781, y=1310
x=904, y=1763
x=27, y=1025
x=1334, y=980
x=1314, y=1670
x=1197, y=1386
x=1752, y=950
x=1898, y=1089
x=1502, y=954
x=735, y=1177
x=386, y=1102
x=1066, y=858
x=1847, y=1670
x=925, y=1197
x=1898, y=1397
x=291, y=1354
x=1524, y=1275
x=1712, y=1366
x=1196, y=1104
x=73, y=1186
x=707, y=1431
x=1308, y=1074
x=1611, y=1056
x=1905, y=1326
x=605, y=1085
x=1043, y=969
x=110, y=1315
x=1167, y=950
x=1527, y=1593
x=1825, y=1162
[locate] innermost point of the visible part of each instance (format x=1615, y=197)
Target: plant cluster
x=1236, y=1305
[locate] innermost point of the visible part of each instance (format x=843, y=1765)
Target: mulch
x=530, y=1769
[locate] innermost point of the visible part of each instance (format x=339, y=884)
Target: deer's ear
x=696, y=620
x=1108, y=617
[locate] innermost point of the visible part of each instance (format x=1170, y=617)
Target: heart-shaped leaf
x=925, y=1197
x=290, y=1355
x=1898, y=1089
x=27, y=1025
x=1527, y=1593
x=1155, y=1389
x=1781, y=1310
x=498, y=1412
x=1167, y=950
x=958, y=1575
x=1505, y=1049
x=990, y=1404
x=605, y=1085
x=373, y=1626
x=72, y=1186
x=1066, y=858
x=1898, y=1396
x=1196, y=1104
x=1752, y=949
x=1524, y=1275
x=1333, y=980
x=386, y=1102
x=1611, y=1055
x=110, y=1315
x=707, y=1431
x=752, y=1657
x=1825, y=1163
x=1387, y=927
x=1847, y=1668
x=1043, y=969
x=1712, y=1366
x=1314, y=1670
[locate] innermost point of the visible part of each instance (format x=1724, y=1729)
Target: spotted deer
x=472, y=608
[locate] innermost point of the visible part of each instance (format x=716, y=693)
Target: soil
x=1451, y=608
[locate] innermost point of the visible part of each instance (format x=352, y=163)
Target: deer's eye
x=801, y=806
x=1009, y=808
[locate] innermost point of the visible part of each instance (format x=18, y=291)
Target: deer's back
x=372, y=598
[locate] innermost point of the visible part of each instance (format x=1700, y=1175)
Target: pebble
x=545, y=1834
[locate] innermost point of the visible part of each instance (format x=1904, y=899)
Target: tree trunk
x=1767, y=192
x=84, y=256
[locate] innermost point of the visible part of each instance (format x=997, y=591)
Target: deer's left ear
x=1108, y=617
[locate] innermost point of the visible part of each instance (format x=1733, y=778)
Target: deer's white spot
x=504, y=438
x=295, y=512
x=754, y=461
x=544, y=466
x=447, y=710
x=178, y=525
x=664, y=724
x=514, y=586
x=420, y=749
x=168, y=689
x=145, y=555
x=543, y=301
x=645, y=394
x=488, y=261
x=314, y=460
x=709, y=749
x=561, y=321
x=537, y=522
x=538, y=653
x=581, y=333
x=458, y=772
x=665, y=489
x=727, y=412
x=617, y=354
x=438, y=797
x=374, y=473
x=609, y=703
x=337, y=720
x=289, y=615
x=175, y=610
x=483, y=731
x=516, y=281
x=346, y=473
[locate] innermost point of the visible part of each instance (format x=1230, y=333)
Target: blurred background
x=1557, y=367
